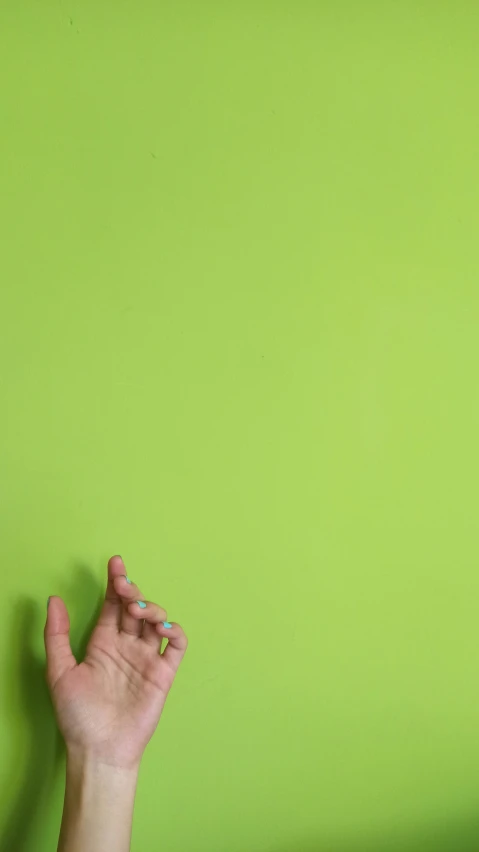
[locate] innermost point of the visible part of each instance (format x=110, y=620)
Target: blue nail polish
x=127, y=579
x=141, y=604
x=48, y=602
x=166, y=624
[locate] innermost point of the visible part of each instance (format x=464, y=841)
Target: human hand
x=109, y=705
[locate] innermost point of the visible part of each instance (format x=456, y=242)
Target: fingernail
x=141, y=604
x=48, y=602
x=127, y=579
x=166, y=624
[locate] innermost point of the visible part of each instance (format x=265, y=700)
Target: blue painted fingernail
x=48, y=602
x=127, y=579
x=141, y=604
x=166, y=624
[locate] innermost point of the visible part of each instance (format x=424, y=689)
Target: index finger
x=110, y=615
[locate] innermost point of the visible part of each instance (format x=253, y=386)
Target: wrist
x=90, y=778
x=81, y=760
x=98, y=809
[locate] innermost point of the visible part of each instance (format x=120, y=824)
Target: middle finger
x=129, y=592
x=151, y=614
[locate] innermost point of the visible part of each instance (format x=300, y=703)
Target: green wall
x=239, y=345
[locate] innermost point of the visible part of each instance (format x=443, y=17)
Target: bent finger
x=152, y=615
x=128, y=593
x=177, y=644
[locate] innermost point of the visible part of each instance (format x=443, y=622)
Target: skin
x=108, y=707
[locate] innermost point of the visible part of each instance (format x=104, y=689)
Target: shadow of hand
x=32, y=705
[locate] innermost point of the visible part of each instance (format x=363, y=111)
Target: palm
x=111, y=702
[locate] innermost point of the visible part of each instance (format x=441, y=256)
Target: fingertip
x=167, y=628
x=57, y=615
x=121, y=584
x=115, y=563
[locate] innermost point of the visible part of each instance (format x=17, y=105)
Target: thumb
x=60, y=659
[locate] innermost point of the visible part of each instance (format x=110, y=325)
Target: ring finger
x=129, y=593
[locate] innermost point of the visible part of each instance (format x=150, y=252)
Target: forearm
x=98, y=808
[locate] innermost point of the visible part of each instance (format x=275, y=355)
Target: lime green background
x=239, y=345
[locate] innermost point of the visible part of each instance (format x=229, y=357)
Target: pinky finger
x=177, y=644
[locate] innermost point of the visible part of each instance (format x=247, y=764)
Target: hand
x=109, y=705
